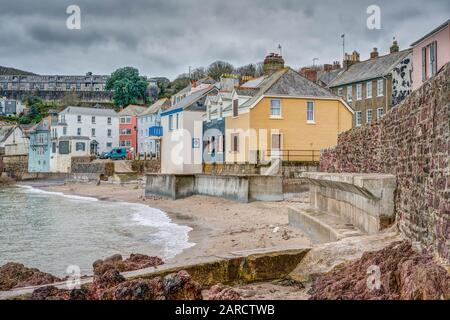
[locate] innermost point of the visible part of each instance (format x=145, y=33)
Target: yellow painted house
x=285, y=116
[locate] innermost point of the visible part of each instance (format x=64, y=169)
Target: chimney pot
x=394, y=47
x=374, y=53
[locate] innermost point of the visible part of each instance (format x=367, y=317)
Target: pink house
x=430, y=53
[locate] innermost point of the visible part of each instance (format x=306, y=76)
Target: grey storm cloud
x=164, y=38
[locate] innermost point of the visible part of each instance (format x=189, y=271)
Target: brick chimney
x=327, y=67
x=336, y=65
x=309, y=73
x=350, y=59
x=193, y=83
x=394, y=47
x=272, y=63
x=374, y=53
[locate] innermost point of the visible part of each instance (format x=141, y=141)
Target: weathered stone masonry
x=411, y=141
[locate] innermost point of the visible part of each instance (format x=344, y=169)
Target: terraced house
x=287, y=117
x=149, y=128
x=374, y=86
x=128, y=133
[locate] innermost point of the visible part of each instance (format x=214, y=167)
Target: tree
x=218, y=68
x=127, y=85
x=247, y=70
x=198, y=73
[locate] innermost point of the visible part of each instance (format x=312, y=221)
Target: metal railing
x=294, y=155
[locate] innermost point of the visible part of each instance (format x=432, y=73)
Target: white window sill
x=310, y=122
x=276, y=117
x=380, y=95
x=357, y=125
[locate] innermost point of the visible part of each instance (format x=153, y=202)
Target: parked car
x=104, y=155
x=115, y=154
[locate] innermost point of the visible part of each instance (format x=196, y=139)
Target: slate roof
x=89, y=111
x=326, y=77
x=192, y=98
x=370, y=69
x=5, y=131
x=162, y=104
x=288, y=82
x=132, y=110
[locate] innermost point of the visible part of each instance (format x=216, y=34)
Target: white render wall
x=16, y=143
x=177, y=154
x=101, y=127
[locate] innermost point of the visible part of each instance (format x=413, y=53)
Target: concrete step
x=320, y=226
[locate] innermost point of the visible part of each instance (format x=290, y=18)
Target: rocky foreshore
x=109, y=284
x=397, y=272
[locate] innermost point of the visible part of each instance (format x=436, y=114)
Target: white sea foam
x=69, y=196
x=172, y=237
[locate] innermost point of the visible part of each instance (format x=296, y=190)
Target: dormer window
x=235, y=107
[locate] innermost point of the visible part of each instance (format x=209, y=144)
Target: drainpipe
x=386, y=92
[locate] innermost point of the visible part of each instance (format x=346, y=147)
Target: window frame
x=369, y=92
x=308, y=104
x=382, y=88
x=272, y=108
x=367, y=116
x=234, y=142
x=350, y=93
x=358, y=123
x=359, y=91
x=235, y=108
x=378, y=113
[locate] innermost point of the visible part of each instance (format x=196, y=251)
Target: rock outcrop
x=16, y=275
x=134, y=262
x=395, y=272
x=222, y=292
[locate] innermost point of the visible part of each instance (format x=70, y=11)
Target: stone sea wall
x=412, y=141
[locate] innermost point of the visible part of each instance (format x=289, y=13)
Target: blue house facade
x=150, y=129
x=39, y=149
x=213, y=140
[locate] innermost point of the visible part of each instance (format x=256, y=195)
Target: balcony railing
x=294, y=155
x=155, y=131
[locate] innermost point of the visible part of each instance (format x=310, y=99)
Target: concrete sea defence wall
x=412, y=141
x=242, y=188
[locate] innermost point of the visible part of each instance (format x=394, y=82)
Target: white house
x=181, y=146
x=101, y=126
x=67, y=148
x=13, y=141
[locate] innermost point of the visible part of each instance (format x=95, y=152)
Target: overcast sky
x=164, y=38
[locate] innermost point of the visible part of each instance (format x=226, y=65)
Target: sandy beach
x=218, y=225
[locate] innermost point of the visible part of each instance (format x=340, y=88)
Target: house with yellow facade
x=286, y=117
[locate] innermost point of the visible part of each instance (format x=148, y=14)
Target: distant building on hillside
x=10, y=107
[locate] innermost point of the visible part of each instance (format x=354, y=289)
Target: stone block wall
x=412, y=141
